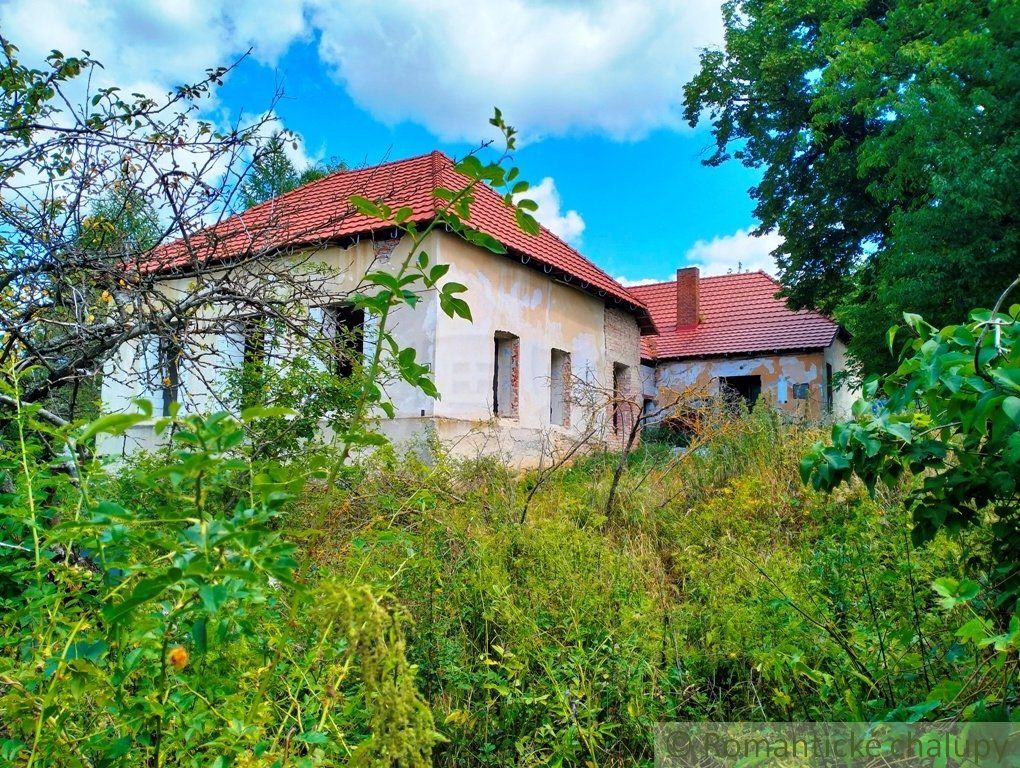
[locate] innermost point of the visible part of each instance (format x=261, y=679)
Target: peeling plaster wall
x=508, y=297
x=623, y=351
x=779, y=374
x=334, y=273
x=504, y=296
x=844, y=395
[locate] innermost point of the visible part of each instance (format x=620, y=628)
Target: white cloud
x=567, y=225
x=739, y=252
x=555, y=67
x=296, y=149
x=633, y=283
x=150, y=45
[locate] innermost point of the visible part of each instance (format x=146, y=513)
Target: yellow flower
x=178, y=658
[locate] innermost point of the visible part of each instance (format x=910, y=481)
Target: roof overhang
x=644, y=319
x=741, y=355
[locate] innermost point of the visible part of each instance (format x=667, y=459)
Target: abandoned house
x=553, y=338
x=731, y=333
x=554, y=353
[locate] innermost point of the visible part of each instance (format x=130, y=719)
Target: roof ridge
x=657, y=283
x=544, y=229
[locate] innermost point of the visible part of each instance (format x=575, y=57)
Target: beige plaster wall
x=779, y=374
x=326, y=276
x=504, y=295
x=509, y=297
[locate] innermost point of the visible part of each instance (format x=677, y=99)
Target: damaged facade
x=731, y=333
x=557, y=352
x=553, y=338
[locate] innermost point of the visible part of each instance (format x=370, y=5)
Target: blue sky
x=594, y=87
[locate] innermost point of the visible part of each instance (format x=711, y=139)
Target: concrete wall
x=506, y=297
x=843, y=395
x=794, y=383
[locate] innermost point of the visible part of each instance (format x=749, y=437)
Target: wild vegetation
x=224, y=603
x=197, y=607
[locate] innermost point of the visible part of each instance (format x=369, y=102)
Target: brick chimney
x=687, y=311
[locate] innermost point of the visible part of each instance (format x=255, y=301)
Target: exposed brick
x=383, y=249
x=622, y=349
x=687, y=297
x=507, y=394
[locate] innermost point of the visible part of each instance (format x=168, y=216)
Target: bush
x=165, y=626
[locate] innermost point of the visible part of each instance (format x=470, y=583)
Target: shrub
x=172, y=632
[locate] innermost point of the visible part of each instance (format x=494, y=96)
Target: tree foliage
x=951, y=415
x=91, y=181
x=273, y=173
x=885, y=132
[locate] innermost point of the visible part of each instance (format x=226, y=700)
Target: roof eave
x=744, y=354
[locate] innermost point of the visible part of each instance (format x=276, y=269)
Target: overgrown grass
x=719, y=588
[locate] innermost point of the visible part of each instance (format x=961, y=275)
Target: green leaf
x=528, y=223
x=369, y=208
x=953, y=592
x=266, y=412
x=144, y=591
x=112, y=424
x=200, y=634
x=1011, y=405
x=899, y=429
x=974, y=631
x=10, y=748
x=890, y=338
x=438, y=271
x=451, y=288
x=1007, y=377
x=483, y=240
x=213, y=596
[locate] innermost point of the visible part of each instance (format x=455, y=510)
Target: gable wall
x=779, y=374
x=506, y=296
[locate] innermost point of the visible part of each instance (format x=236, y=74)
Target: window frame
x=508, y=345
x=559, y=387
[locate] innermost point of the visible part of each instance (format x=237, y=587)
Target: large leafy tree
x=885, y=132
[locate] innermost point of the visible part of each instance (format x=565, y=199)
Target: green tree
x=124, y=220
x=951, y=414
x=273, y=173
x=885, y=132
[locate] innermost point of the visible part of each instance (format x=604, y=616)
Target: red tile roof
x=740, y=314
x=319, y=213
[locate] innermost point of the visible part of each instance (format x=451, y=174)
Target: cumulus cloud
x=633, y=283
x=151, y=45
x=567, y=225
x=296, y=148
x=555, y=67
x=739, y=252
